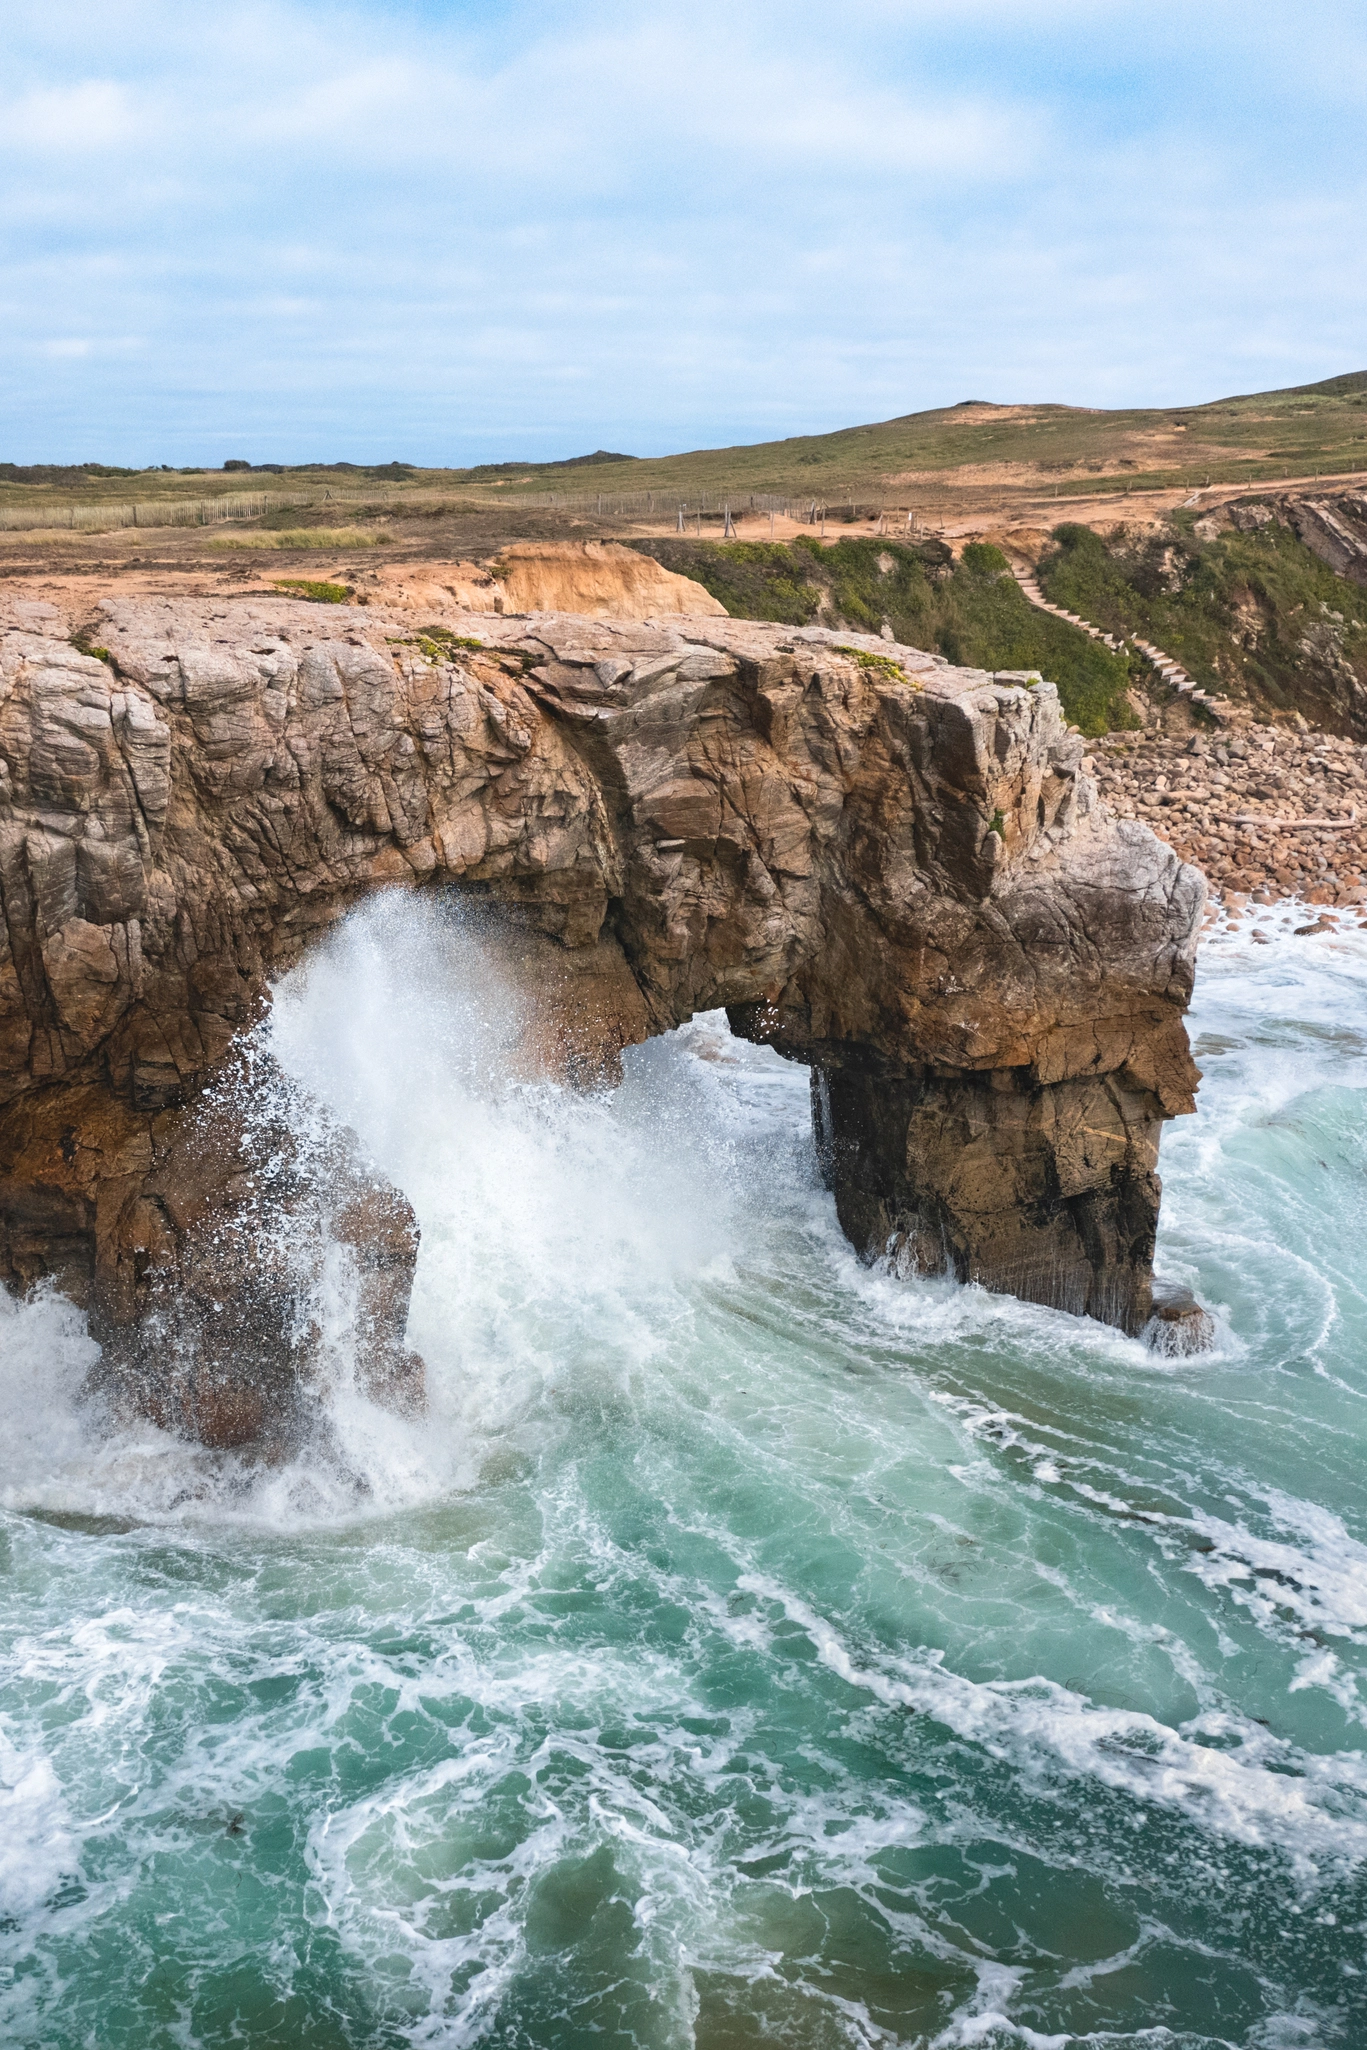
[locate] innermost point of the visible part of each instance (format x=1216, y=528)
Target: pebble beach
x=1267, y=813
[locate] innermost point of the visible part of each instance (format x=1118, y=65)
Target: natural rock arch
x=890, y=869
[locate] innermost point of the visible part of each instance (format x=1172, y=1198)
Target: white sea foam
x=549, y=1221
x=1044, y=1729
x=37, y=1844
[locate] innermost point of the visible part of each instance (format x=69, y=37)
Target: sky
x=454, y=231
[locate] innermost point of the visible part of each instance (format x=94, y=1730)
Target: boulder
x=1179, y=1325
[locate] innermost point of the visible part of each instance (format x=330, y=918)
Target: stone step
x=1170, y=671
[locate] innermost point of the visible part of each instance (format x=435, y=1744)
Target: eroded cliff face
x=885, y=867
x=597, y=579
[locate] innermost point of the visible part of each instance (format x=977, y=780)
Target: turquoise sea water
x=747, y=1647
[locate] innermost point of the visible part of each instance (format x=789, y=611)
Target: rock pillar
x=1046, y=1192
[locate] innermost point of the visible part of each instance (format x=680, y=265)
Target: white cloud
x=86, y=119
x=75, y=348
x=546, y=226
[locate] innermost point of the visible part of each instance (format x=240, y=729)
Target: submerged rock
x=890, y=869
x=1179, y=1326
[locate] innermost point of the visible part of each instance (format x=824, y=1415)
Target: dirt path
x=986, y=510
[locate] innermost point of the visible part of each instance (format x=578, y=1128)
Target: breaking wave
x=746, y=1645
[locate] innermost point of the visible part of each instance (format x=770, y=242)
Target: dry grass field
x=967, y=469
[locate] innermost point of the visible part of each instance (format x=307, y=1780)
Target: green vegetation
x=300, y=537
x=60, y=473
x=285, y=519
x=1254, y=615
x=973, y=612
x=88, y=647
x=504, y=470
x=317, y=594
x=438, y=643
x=882, y=665
x=444, y=635
x=752, y=579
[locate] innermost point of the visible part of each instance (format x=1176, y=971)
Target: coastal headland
x=890, y=868
x=917, y=774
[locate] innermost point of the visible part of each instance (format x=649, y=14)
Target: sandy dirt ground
x=989, y=505
x=600, y=579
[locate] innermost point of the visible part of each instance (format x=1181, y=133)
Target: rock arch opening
x=890, y=870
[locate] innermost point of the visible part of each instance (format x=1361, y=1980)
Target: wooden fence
x=158, y=512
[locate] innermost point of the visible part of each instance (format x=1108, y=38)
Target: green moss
x=438, y=643
x=316, y=593
x=87, y=647
x=444, y=635
x=882, y=665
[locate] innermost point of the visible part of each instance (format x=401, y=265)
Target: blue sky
x=451, y=232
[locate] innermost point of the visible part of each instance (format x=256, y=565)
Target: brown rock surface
x=1335, y=528
x=888, y=868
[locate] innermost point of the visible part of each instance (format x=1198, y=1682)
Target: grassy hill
x=976, y=448
x=1253, y=438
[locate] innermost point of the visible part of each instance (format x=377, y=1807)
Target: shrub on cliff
x=754, y=580
x=987, y=622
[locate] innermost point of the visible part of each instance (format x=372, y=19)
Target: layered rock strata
x=890, y=869
x=1336, y=530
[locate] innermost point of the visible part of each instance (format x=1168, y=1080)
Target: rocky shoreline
x=1266, y=812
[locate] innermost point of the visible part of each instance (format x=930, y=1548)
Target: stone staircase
x=1171, y=672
